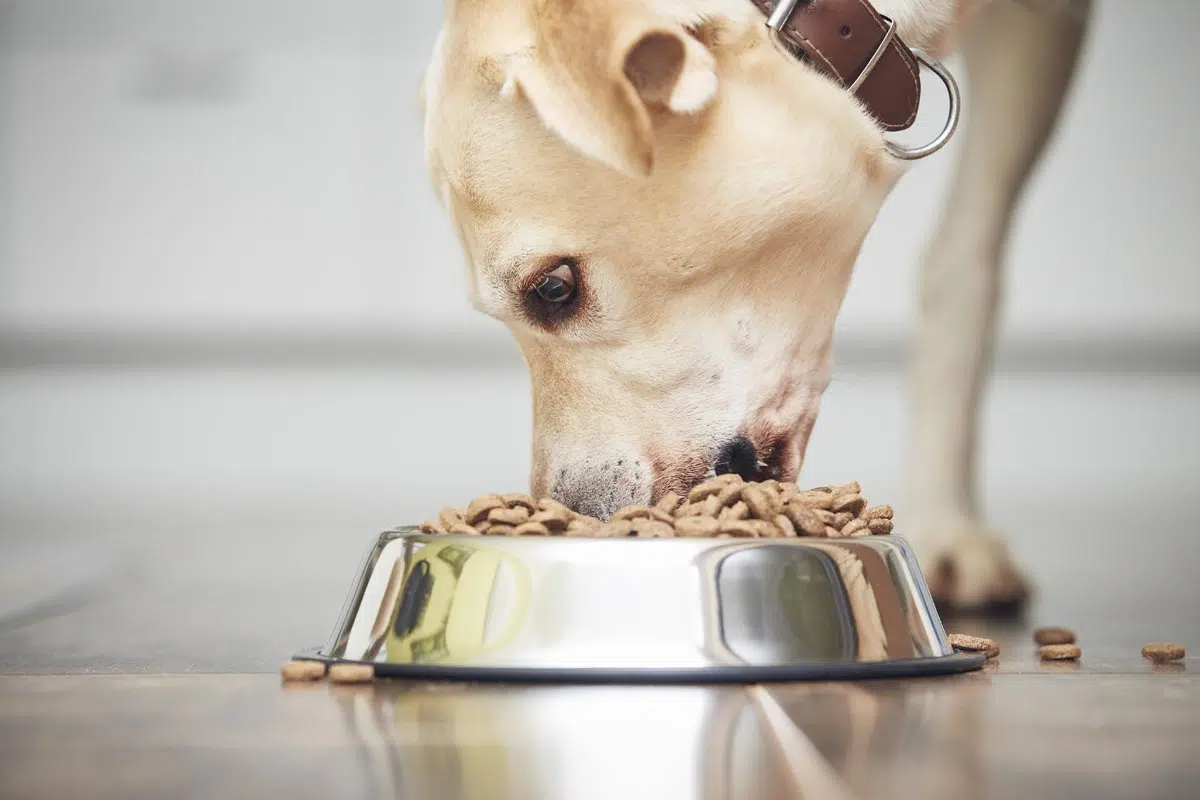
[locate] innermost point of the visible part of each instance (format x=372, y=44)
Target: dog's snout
x=739, y=456
x=599, y=489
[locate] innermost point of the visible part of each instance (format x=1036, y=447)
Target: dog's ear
x=601, y=67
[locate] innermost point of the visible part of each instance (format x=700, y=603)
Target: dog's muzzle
x=855, y=45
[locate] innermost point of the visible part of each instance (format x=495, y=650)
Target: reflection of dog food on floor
x=974, y=644
x=725, y=506
x=1060, y=652
x=1054, y=636
x=1162, y=652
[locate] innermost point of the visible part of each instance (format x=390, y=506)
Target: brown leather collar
x=856, y=46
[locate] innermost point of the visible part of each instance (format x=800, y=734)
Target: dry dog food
x=309, y=671
x=1054, y=636
x=1060, y=652
x=1162, y=652
x=974, y=644
x=724, y=506
x=295, y=671
x=351, y=673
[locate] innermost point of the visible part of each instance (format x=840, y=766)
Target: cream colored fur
x=714, y=194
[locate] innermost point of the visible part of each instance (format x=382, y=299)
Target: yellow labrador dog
x=664, y=200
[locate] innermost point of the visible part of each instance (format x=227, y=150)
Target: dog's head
x=664, y=209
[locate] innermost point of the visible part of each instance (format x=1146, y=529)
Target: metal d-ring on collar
x=783, y=13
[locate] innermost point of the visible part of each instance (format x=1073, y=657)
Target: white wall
x=251, y=164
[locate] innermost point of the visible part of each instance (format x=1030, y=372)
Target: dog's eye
x=558, y=285
x=557, y=295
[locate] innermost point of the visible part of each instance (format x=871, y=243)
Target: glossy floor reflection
x=991, y=734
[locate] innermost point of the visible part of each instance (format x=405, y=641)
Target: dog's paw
x=967, y=567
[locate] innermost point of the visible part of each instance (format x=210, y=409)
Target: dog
x=663, y=200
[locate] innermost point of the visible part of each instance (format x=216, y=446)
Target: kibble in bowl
x=723, y=507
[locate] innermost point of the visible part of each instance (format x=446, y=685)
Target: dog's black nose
x=739, y=456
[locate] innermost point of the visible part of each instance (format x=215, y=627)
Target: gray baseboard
x=125, y=350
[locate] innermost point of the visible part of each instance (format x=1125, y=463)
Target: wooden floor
x=1110, y=726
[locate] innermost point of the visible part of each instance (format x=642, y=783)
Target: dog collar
x=855, y=45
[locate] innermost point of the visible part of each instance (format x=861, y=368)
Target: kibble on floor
x=302, y=671
x=1054, y=636
x=1162, y=652
x=1060, y=652
x=974, y=644
x=351, y=673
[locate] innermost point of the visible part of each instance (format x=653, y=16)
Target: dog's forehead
x=497, y=169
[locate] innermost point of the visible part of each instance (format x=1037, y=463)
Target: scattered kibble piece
x=1054, y=636
x=1060, y=652
x=351, y=673
x=974, y=644
x=1162, y=652
x=296, y=671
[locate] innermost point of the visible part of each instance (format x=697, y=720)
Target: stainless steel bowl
x=664, y=610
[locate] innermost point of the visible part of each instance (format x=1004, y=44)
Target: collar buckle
x=781, y=15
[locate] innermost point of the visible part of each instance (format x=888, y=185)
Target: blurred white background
x=235, y=340
x=256, y=165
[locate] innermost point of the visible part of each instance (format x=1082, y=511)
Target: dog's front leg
x=1019, y=65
